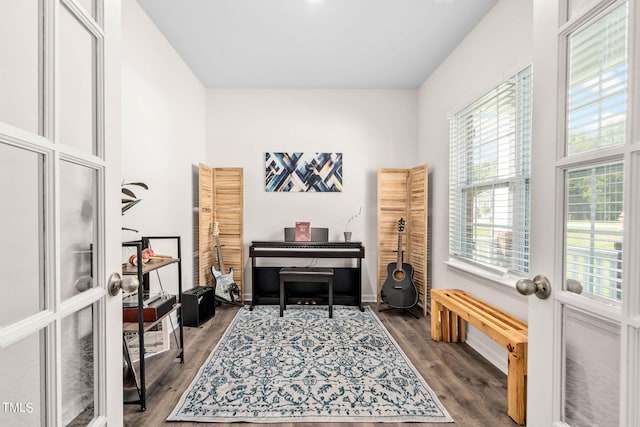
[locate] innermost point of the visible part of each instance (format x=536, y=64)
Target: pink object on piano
x=303, y=232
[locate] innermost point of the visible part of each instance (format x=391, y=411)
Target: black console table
x=347, y=281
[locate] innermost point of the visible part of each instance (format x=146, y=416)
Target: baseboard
x=489, y=349
x=369, y=298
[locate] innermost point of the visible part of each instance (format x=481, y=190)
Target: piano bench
x=306, y=274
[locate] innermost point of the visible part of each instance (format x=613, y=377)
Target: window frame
x=464, y=186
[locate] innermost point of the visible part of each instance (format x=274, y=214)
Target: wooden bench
x=306, y=274
x=452, y=308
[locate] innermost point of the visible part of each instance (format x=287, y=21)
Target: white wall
x=372, y=128
x=166, y=131
x=496, y=49
x=163, y=133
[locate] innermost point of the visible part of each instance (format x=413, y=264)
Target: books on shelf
x=154, y=308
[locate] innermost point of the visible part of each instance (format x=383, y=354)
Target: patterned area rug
x=305, y=367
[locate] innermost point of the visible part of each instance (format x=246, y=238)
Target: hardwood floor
x=473, y=391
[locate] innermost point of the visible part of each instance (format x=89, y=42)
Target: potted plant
x=129, y=198
x=347, y=233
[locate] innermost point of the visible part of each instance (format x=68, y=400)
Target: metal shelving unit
x=141, y=327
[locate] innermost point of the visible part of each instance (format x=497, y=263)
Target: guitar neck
x=399, y=264
x=219, y=252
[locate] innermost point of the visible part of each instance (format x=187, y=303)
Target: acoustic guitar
x=226, y=288
x=398, y=290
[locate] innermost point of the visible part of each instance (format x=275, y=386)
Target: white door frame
x=107, y=318
x=112, y=352
x=547, y=201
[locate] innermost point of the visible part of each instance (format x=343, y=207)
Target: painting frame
x=303, y=172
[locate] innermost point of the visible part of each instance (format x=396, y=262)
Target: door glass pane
x=591, y=357
x=23, y=373
x=77, y=77
x=597, y=92
x=22, y=231
x=78, y=219
x=21, y=64
x=593, y=241
x=78, y=373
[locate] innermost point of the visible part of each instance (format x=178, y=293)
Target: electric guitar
x=398, y=290
x=226, y=288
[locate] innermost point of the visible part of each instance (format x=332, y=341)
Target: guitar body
x=225, y=285
x=226, y=288
x=398, y=290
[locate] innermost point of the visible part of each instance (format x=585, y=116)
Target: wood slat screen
x=392, y=205
x=417, y=237
x=221, y=200
x=206, y=251
x=403, y=193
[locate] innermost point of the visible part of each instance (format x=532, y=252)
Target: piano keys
x=306, y=249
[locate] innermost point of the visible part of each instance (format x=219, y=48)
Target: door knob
x=574, y=286
x=539, y=285
x=128, y=284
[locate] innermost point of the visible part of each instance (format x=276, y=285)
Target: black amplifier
x=198, y=305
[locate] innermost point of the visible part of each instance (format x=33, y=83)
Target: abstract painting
x=303, y=172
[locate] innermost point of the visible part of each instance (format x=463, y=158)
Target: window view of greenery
x=597, y=91
x=596, y=118
x=594, y=229
x=489, y=177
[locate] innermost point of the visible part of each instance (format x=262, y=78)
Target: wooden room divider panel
x=403, y=193
x=206, y=245
x=418, y=232
x=220, y=193
x=392, y=205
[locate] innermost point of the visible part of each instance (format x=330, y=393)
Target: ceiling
x=333, y=44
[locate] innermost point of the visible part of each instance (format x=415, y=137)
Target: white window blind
x=597, y=89
x=489, y=172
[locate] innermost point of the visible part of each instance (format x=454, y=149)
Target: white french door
x=584, y=340
x=60, y=332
